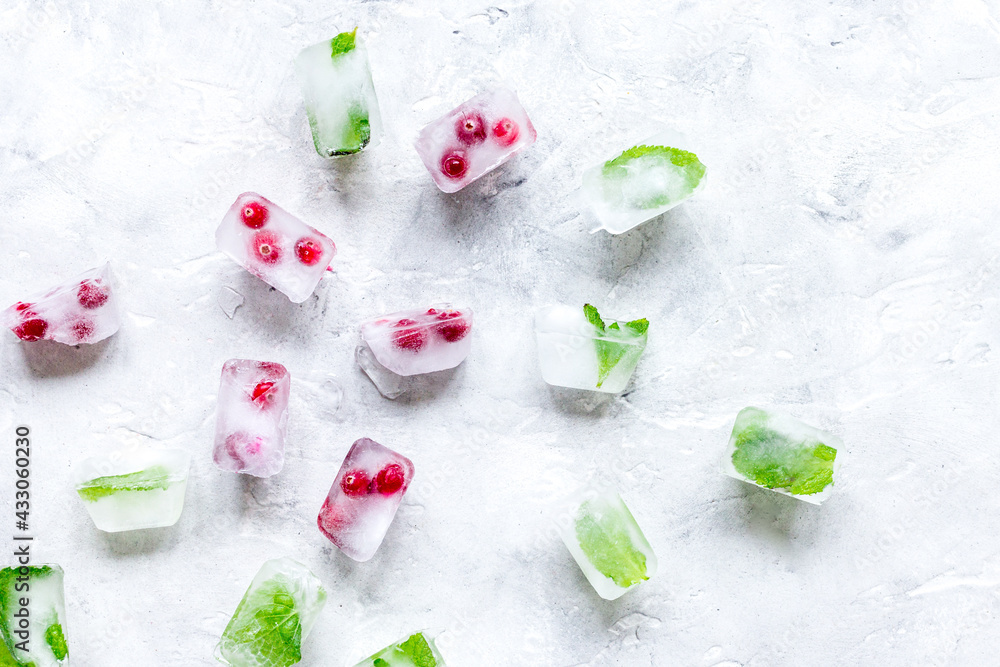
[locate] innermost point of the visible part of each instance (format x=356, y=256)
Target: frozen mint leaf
x=156, y=477
x=56, y=640
x=419, y=651
x=272, y=632
x=639, y=326
x=608, y=546
x=357, y=132
x=772, y=460
x=593, y=316
x=342, y=43
x=379, y=662
x=610, y=353
x=684, y=165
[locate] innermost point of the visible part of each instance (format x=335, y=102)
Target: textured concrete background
x=842, y=265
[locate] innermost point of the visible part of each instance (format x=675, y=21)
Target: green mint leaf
x=357, y=132
x=774, y=461
x=156, y=477
x=610, y=353
x=343, y=43
x=419, y=651
x=271, y=631
x=56, y=640
x=608, y=546
x=639, y=326
x=379, y=662
x=685, y=164
x=8, y=606
x=593, y=316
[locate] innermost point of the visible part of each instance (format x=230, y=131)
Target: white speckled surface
x=841, y=265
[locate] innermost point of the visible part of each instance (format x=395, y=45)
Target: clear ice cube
x=607, y=543
x=389, y=384
x=421, y=340
x=275, y=246
x=775, y=451
x=578, y=349
x=417, y=650
x=81, y=310
x=474, y=138
x=133, y=489
x=274, y=617
x=340, y=97
x=37, y=639
x=364, y=498
x=642, y=182
x=252, y=417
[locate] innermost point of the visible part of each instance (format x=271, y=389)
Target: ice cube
x=340, y=97
x=252, y=417
x=643, y=182
x=274, y=245
x=38, y=639
x=417, y=650
x=389, y=384
x=421, y=340
x=82, y=310
x=474, y=138
x=132, y=489
x=577, y=349
x=778, y=452
x=274, y=617
x=607, y=543
x=364, y=498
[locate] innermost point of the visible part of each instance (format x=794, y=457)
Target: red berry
x=266, y=247
x=410, y=338
x=453, y=331
x=261, y=391
x=506, y=132
x=309, y=251
x=454, y=164
x=355, y=483
x=331, y=518
x=254, y=214
x=92, y=294
x=470, y=128
x=21, y=306
x=432, y=311
x=390, y=479
x=83, y=330
x=32, y=330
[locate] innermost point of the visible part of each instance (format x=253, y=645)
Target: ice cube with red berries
x=475, y=138
x=252, y=417
x=422, y=340
x=275, y=246
x=364, y=498
x=81, y=310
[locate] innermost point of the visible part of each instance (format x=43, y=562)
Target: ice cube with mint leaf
x=339, y=95
x=417, y=650
x=134, y=488
x=778, y=452
x=577, y=348
x=642, y=182
x=607, y=543
x=274, y=617
x=42, y=642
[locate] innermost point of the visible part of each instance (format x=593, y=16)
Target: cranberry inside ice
x=91, y=294
x=470, y=128
x=309, y=251
x=266, y=247
x=32, y=330
x=409, y=337
x=390, y=479
x=355, y=483
x=254, y=214
x=506, y=132
x=454, y=164
x=260, y=392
